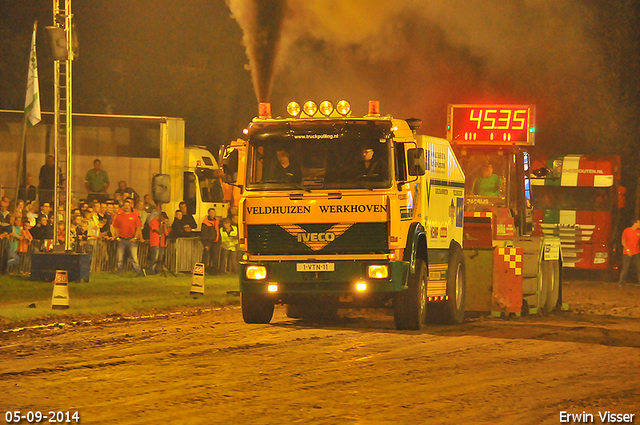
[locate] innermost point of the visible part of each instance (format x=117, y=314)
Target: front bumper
x=343, y=280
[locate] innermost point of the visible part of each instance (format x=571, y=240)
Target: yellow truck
x=339, y=211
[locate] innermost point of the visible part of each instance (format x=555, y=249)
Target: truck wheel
x=552, y=276
x=410, y=305
x=256, y=308
x=543, y=285
x=454, y=308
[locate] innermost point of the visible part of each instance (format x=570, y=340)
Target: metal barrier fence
x=180, y=255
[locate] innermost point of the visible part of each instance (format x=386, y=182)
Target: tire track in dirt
x=212, y=368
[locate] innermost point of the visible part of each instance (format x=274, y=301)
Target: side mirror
x=416, y=163
x=161, y=188
x=541, y=172
x=229, y=163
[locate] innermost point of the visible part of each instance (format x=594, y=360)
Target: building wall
x=127, y=148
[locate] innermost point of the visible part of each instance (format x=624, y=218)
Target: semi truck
x=187, y=173
x=579, y=199
x=514, y=270
x=340, y=211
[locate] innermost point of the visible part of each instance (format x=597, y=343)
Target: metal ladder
x=62, y=17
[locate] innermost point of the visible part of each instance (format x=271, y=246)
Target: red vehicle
x=578, y=198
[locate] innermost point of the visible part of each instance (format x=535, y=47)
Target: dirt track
x=210, y=367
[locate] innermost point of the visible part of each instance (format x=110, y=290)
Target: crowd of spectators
x=125, y=218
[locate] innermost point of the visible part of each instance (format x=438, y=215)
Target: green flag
x=32, y=100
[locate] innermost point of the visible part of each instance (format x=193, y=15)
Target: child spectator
x=158, y=230
x=177, y=227
x=228, y=247
x=75, y=223
x=19, y=207
x=11, y=231
x=61, y=233
x=82, y=232
x=25, y=241
x=31, y=213
x=92, y=227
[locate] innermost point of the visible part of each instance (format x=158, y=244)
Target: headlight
x=293, y=108
x=310, y=108
x=256, y=272
x=378, y=272
x=326, y=108
x=343, y=108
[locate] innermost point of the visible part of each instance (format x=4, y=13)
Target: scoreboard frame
x=491, y=124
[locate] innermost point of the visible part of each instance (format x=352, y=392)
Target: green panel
x=551, y=216
x=359, y=238
x=479, y=270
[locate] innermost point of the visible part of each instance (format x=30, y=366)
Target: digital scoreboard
x=491, y=124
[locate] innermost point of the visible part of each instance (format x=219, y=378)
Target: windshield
x=319, y=154
x=486, y=183
x=571, y=198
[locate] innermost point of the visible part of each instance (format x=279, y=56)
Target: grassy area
x=106, y=293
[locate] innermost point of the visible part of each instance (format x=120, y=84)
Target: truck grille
x=572, y=238
x=323, y=238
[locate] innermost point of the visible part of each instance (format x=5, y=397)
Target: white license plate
x=315, y=267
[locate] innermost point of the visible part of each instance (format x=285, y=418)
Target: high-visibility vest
x=229, y=241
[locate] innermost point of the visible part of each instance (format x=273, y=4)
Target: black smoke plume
x=261, y=22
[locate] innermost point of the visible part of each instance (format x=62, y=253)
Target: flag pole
x=22, y=153
x=31, y=108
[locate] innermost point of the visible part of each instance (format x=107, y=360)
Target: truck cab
x=579, y=199
x=202, y=184
x=338, y=211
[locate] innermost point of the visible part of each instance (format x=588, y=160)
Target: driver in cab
x=284, y=170
x=488, y=184
x=370, y=167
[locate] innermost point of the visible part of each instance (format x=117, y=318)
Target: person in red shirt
x=630, y=251
x=158, y=230
x=128, y=230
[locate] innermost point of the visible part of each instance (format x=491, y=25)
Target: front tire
x=410, y=305
x=256, y=308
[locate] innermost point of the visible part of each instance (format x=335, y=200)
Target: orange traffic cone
x=60, y=297
x=197, y=281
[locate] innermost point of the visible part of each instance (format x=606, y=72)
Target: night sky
x=577, y=61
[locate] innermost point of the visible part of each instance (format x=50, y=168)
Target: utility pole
x=63, y=47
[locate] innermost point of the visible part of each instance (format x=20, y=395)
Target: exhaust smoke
x=261, y=23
